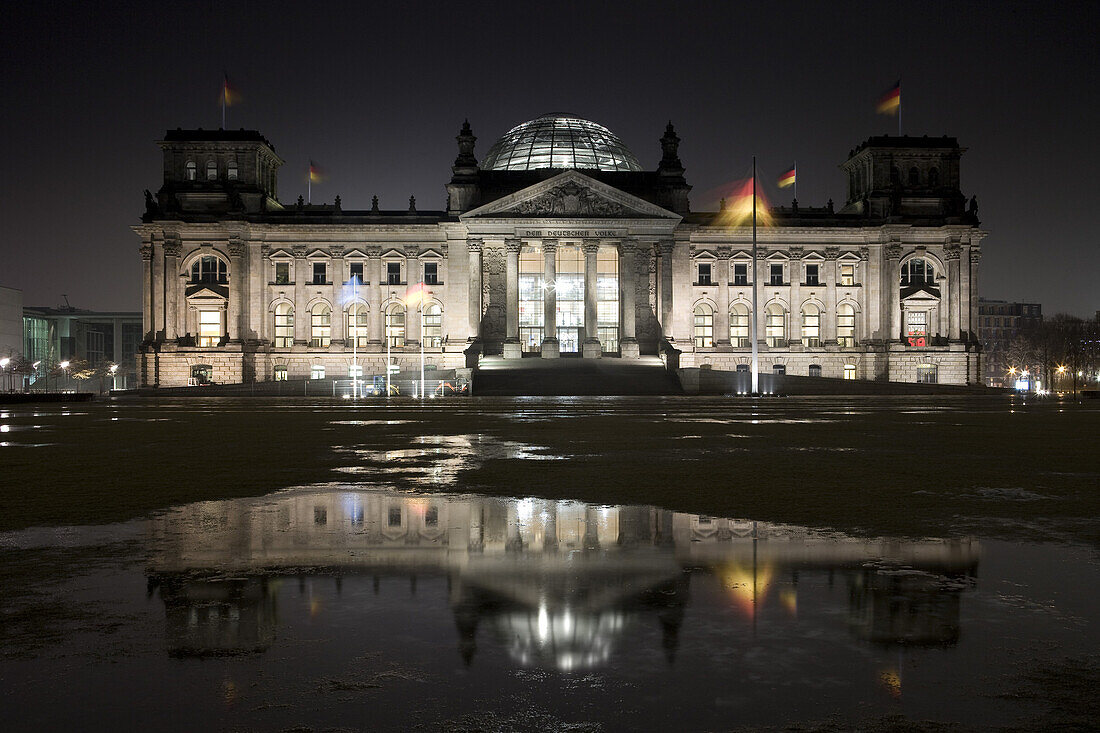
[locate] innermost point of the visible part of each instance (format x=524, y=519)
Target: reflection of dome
x=559, y=141
x=561, y=639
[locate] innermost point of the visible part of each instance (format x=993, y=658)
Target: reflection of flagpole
x=385, y=327
x=355, y=337
x=755, y=274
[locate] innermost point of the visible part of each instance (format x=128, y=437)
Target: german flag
x=787, y=177
x=314, y=173
x=230, y=95
x=890, y=102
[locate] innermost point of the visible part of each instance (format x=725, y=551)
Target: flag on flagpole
x=230, y=95
x=890, y=102
x=787, y=177
x=314, y=172
x=739, y=211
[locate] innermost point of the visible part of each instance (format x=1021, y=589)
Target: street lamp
x=114, y=370
x=35, y=366
x=65, y=369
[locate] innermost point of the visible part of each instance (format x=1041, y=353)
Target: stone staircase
x=574, y=377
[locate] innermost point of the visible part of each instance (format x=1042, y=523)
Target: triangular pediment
x=920, y=294
x=570, y=195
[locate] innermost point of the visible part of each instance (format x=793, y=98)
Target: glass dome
x=559, y=141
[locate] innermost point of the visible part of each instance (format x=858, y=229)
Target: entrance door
x=569, y=340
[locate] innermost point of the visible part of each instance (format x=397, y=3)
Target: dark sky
x=375, y=93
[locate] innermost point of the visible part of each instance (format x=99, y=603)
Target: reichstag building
x=556, y=244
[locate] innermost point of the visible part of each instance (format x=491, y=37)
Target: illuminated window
x=209, y=269
x=927, y=374
x=811, y=325
x=210, y=328
x=812, y=275
x=777, y=274
x=395, y=325
x=815, y=370
x=284, y=326
x=849, y=371
x=704, y=326
x=211, y=170
x=739, y=326
x=320, y=273
x=704, y=274
x=280, y=374
x=355, y=370
x=192, y=170
x=431, y=273
x=570, y=297
x=845, y=325
x=741, y=273
x=432, y=332
x=775, y=325
x=358, y=320
x=320, y=326
x=532, y=291
x=282, y=273
x=916, y=328
x=317, y=371
x=847, y=274
x=231, y=170
x=607, y=299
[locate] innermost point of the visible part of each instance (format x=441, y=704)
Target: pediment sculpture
x=570, y=199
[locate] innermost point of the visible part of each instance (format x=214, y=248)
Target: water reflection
x=556, y=584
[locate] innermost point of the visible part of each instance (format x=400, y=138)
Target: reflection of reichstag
x=556, y=582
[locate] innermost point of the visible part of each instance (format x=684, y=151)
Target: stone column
x=666, y=246
x=760, y=271
x=376, y=319
x=828, y=318
x=473, y=265
x=722, y=317
x=628, y=284
x=551, y=349
x=237, y=288
x=794, y=323
x=158, y=292
x=172, y=286
x=892, y=285
x=968, y=307
x=147, y=327
x=337, y=319
x=301, y=315
x=511, y=299
x=591, y=348
x=413, y=313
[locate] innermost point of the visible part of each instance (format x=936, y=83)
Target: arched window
x=284, y=326
x=280, y=374
x=914, y=176
x=432, y=331
x=918, y=271
x=845, y=325
x=704, y=326
x=209, y=269
x=211, y=170
x=933, y=177
x=320, y=326
x=815, y=370
x=811, y=325
x=358, y=319
x=192, y=170
x=775, y=325
x=395, y=325
x=231, y=170
x=739, y=326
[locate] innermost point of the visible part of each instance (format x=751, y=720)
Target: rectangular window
x=926, y=374
x=704, y=274
x=319, y=274
x=607, y=299
x=284, y=327
x=431, y=273
x=393, y=273
x=282, y=273
x=846, y=326
x=280, y=374
x=741, y=273
x=355, y=272
x=320, y=328
x=916, y=328
x=210, y=328
x=393, y=518
x=849, y=371
x=776, y=275
x=847, y=274
x=811, y=275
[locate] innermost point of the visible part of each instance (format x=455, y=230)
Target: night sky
x=376, y=92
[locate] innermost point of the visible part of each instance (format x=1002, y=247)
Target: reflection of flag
x=314, y=172
x=890, y=102
x=786, y=178
x=739, y=211
x=415, y=295
x=230, y=95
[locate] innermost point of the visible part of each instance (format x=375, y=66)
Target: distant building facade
x=557, y=243
x=999, y=322
x=11, y=322
x=94, y=340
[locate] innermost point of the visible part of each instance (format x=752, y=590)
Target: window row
x=357, y=322
x=775, y=326
x=320, y=273
x=231, y=170
x=812, y=274
x=814, y=370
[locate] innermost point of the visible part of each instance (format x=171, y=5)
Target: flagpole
x=899, y=107
x=795, y=181
x=755, y=275
x=421, y=338
x=309, y=185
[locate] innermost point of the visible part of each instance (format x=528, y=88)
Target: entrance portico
x=570, y=278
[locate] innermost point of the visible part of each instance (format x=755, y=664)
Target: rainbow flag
x=230, y=95
x=787, y=177
x=890, y=102
x=314, y=172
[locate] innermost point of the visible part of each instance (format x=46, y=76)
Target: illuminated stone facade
x=556, y=249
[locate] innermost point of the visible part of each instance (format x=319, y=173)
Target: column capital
x=864, y=253
x=666, y=246
x=893, y=251
x=591, y=246
x=265, y=251
x=951, y=252
x=236, y=248
x=373, y=253
x=975, y=256
x=723, y=253
x=474, y=245
x=412, y=251
x=795, y=253
x=172, y=249
x=629, y=246
x=336, y=252
x=512, y=244
x=549, y=245
x=832, y=253
x=146, y=252
x=299, y=251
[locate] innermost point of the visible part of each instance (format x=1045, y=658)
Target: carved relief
x=832, y=253
x=172, y=249
x=298, y=250
x=570, y=199
x=493, y=292
x=146, y=252
x=952, y=252
x=893, y=251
